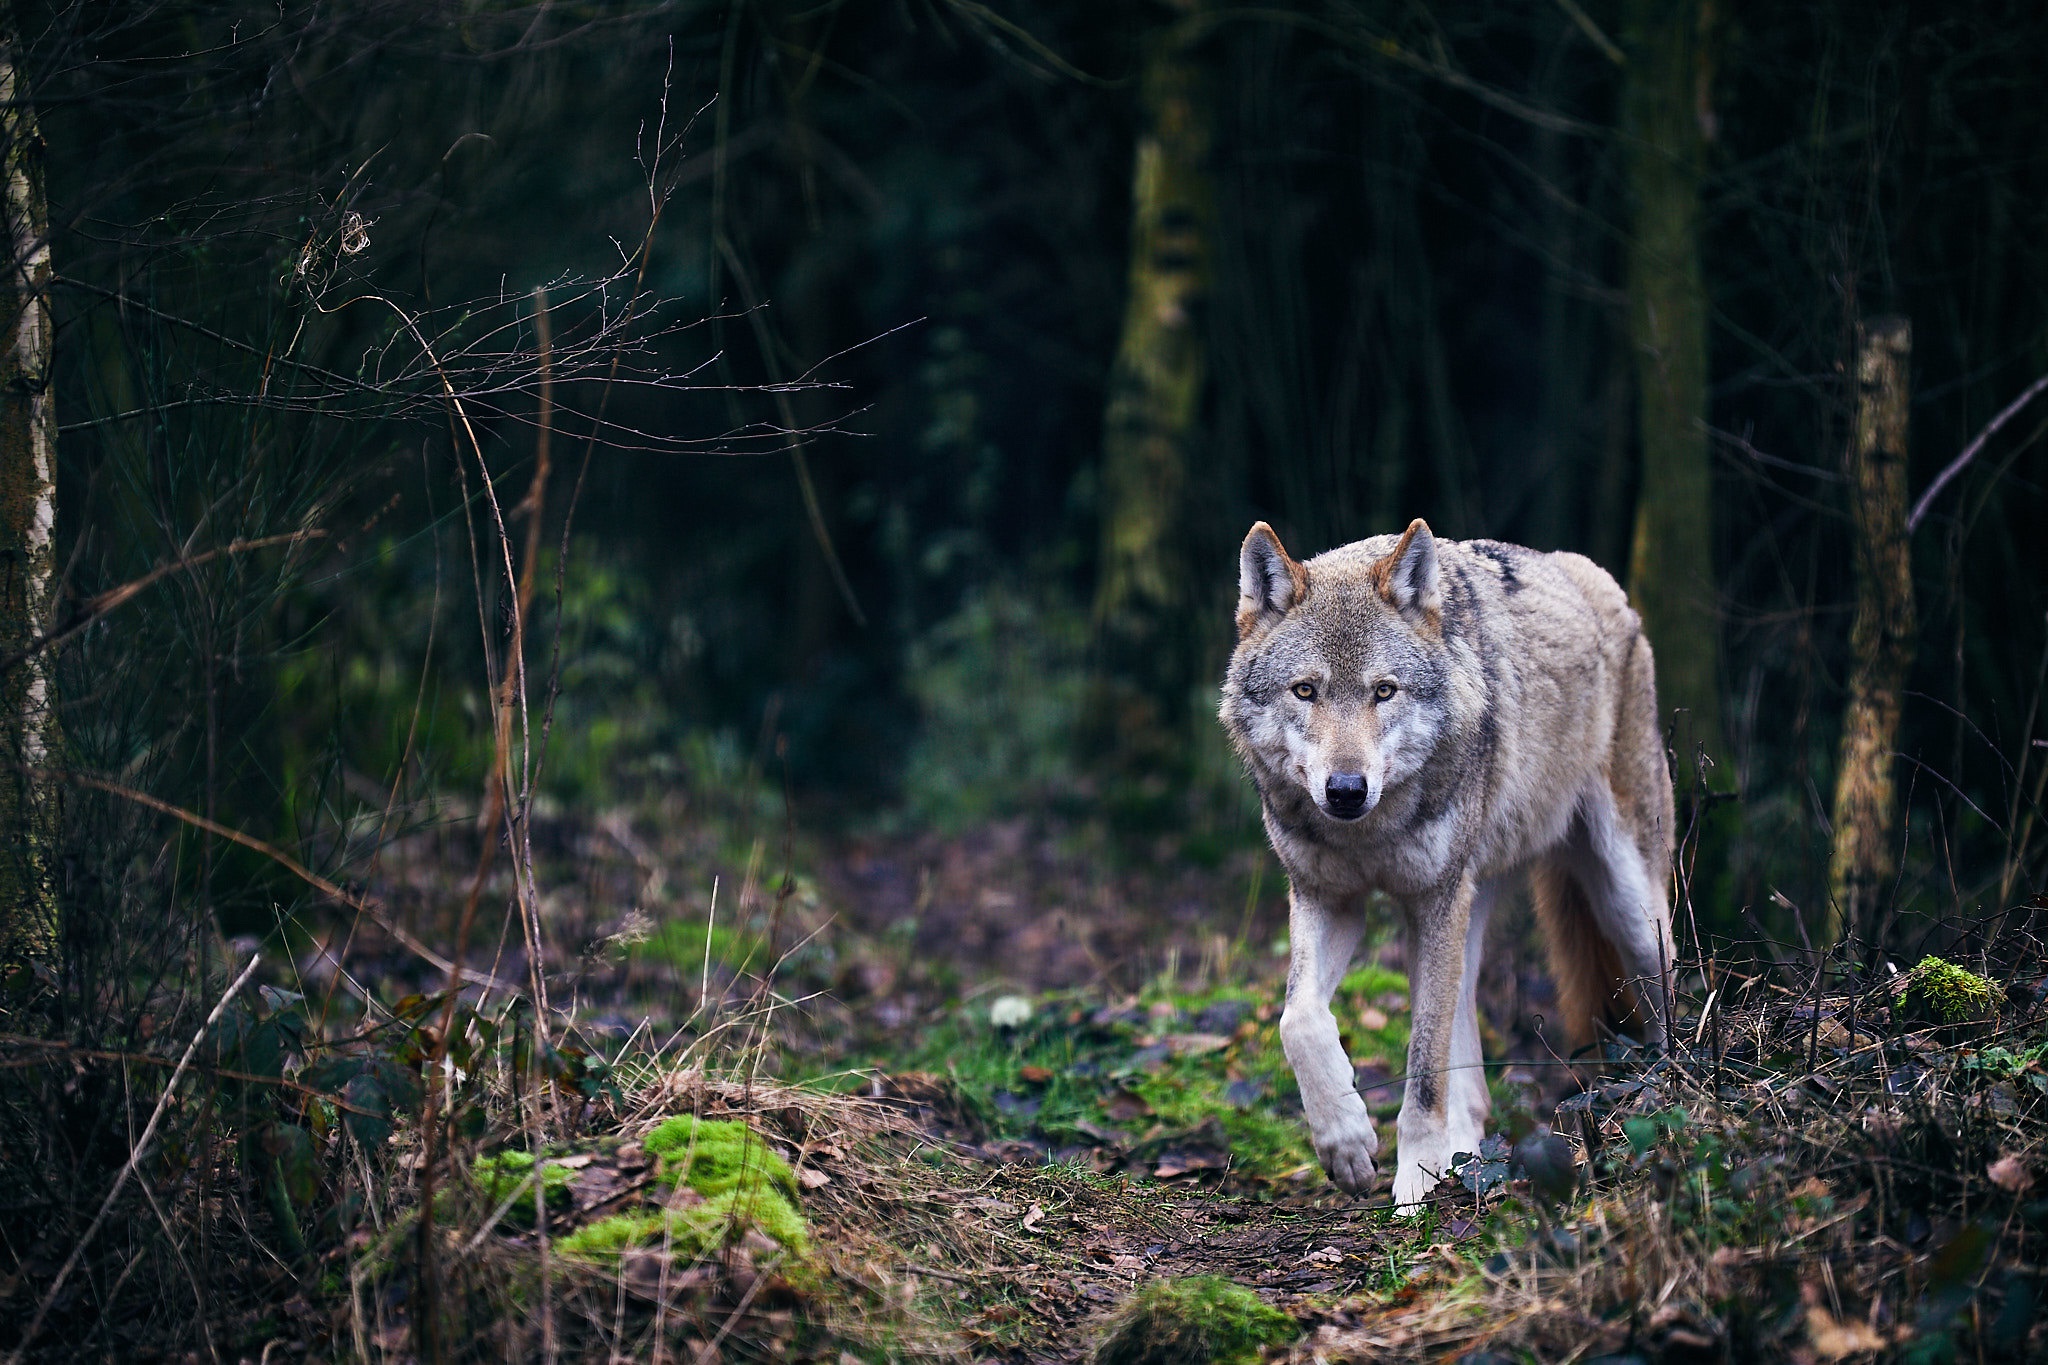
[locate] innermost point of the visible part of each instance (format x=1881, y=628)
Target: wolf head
x=1338, y=681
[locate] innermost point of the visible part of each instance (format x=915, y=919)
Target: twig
x=1960, y=462
x=93, y=608
x=35, y=1324
x=365, y=904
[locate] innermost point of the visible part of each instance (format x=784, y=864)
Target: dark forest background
x=905, y=231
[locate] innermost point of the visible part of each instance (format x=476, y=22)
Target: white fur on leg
x=1628, y=905
x=1424, y=1157
x=1437, y=932
x=1338, y=1124
x=1470, y=1101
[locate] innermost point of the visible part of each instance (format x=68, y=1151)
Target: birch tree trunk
x=1671, y=565
x=1145, y=659
x=1881, y=641
x=28, y=501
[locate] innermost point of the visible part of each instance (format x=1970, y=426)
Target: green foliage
x=998, y=687
x=1193, y=1321
x=1942, y=993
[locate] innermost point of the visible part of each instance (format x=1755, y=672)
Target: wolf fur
x=1430, y=719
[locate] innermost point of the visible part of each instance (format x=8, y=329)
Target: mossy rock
x=1201, y=1320
x=499, y=1175
x=1940, y=992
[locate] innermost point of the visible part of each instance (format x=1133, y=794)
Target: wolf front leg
x=1433, y=1129
x=1322, y=938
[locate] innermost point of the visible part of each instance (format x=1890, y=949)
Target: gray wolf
x=1431, y=719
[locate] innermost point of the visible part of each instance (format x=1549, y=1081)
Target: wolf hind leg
x=1608, y=923
x=1583, y=964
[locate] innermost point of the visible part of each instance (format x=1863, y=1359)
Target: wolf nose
x=1345, y=793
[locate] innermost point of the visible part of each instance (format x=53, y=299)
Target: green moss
x=1193, y=1321
x=498, y=1176
x=716, y=1156
x=607, y=1237
x=744, y=1185
x=1943, y=993
x=694, y=1231
x=683, y=944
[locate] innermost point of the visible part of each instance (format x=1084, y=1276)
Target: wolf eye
x=1306, y=691
x=1385, y=691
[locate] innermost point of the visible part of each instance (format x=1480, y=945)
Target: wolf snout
x=1345, y=795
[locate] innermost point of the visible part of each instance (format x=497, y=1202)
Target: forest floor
x=1017, y=1076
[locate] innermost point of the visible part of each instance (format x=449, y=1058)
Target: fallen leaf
x=1187, y=1160
x=2010, y=1174
x=1034, y=1217
x=1832, y=1340
x=811, y=1178
x=1125, y=1105
x=1327, y=1256
x=1373, y=1018
x=1813, y=1187
x=1035, y=1075
x=1195, y=1044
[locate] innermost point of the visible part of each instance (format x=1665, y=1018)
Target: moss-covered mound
x=716, y=1156
x=502, y=1175
x=1943, y=993
x=1195, y=1321
x=719, y=1181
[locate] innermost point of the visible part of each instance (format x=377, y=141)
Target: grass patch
x=1166, y=1083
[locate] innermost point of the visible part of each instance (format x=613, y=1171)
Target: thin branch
x=35, y=1324
x=1960, y=462
x=341, y=896
x=95, y=607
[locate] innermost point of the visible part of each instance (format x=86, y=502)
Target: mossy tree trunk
x=1881, y=641
x=1145, y=640
x=1671, y=565
x=28, y=488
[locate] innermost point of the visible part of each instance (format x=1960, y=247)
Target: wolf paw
x=1346, y=1150
x=1412, y=1185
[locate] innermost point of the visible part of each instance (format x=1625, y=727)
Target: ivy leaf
x=1641, y=1132
x=368, y=1117
x=298, y=1166
x=1485, y=1170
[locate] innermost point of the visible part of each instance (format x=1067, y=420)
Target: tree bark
x=1671, y=565
x=28, y=489
x=1145, y=658
x=1881, y=640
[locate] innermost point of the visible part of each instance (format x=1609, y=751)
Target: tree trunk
x=1881, y=640
x=28, y=501
x=1144, y=637
x=1671, y=567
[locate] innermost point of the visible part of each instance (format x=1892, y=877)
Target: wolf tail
x=1583, y=964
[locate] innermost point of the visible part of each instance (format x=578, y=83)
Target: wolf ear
x=1408, y=577
x=1268, y=582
